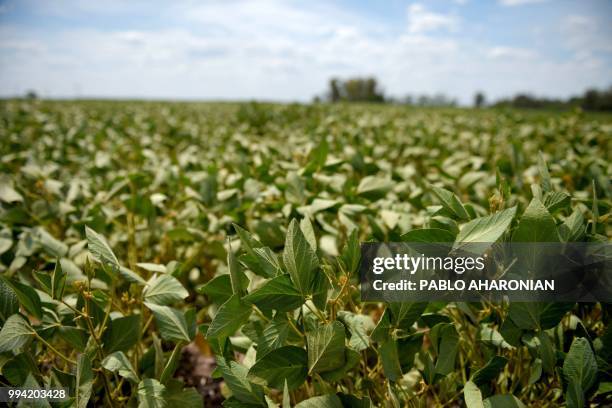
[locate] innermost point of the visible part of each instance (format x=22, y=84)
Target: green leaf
x=323, y=401
x=525, y=315
x=50, y=244
x=485, y=229
x=99, y=248
x=58, y=281
x=300, y=260
x=489, y=371
x=580, y=366
x=122, y=333
x=235, y=376
x=536, y=225
x=151, y=394
x=285, y=365
x=351, y=254
x=359, y=325
x=238, y=279
x=229, y=318
x=556, y=200
x=472, y=395
x=374, y=187
x=7, y=193
x=218, y=289
x=152, y=267
x=286, y=398
x=15, y=333
x=445, y=340
x=351, y=360
x=28, y=298
x=130, y=276
x=172, y=364
x=274, y=335
x=171, y=323
x=428, y=235
x=544, y=175
x=184, y=398
x=84, y=381
x=403, y=315
x=547, y=352
x=164, y=290
x=117, y=362
x=9, y=304
x=450, y=202
x=309, y=234
x=325, y=347
x=278, y=294
x=390, y=360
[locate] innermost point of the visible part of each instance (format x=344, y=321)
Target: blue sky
x=288, y=50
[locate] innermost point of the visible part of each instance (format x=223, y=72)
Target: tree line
x=367, y=89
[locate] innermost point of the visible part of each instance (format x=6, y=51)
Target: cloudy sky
x=287, y=50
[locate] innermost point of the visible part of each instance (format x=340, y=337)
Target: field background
x=165, y=182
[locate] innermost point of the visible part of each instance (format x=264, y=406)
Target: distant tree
x=334, y=90
x=31, y=95
x=355, y=90
x=479, y=100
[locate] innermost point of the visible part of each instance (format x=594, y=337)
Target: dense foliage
x=128, y=230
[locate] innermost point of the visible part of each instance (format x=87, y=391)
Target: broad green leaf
x=472, y=395
x=15, y=333
x=130, y=276
x=8, y=194
x=28, y=298
x=450, y=202
x=151, y=394
x=556, y=200
x=117, y=362
x=390, y=360
x=323, y=401
x=229, y=318
x=164, y=290
x=285, y=365
x=50, y=244
x=184, y=398
x=536, y=225
x=235, y=376
x=274, y=336
x=218, y=289
x=309, y=234
x=403, y=315
x=84, y=381
x=547, y=352
x=9, y=304
x=525, y=315
x=445, y=340
x=350, y=361
x=325, y=347
x=490, y=371
x=359, y=325
x=374, y=187
x=580, y=365
x=278, y=293
x=171, y=323
x=122, y=333
x=99, y=248
x=300, y=260
x=485, y=229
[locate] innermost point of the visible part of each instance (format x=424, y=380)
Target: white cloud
x=502, y=52
x=512, y=3
x=421, y=20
